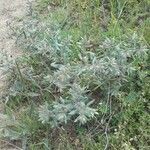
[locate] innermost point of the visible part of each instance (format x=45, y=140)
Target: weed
x=84, y=72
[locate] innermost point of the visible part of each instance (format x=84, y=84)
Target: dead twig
x=8, y=143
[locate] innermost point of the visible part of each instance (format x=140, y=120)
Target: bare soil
x=10, y=11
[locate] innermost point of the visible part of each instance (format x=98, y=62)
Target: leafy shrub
x=70, y=83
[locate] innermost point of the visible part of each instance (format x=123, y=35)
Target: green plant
x=74, y=79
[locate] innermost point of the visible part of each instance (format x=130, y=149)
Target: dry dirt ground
x=10, y=11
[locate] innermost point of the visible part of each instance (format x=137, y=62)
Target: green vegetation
x=83, y=82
